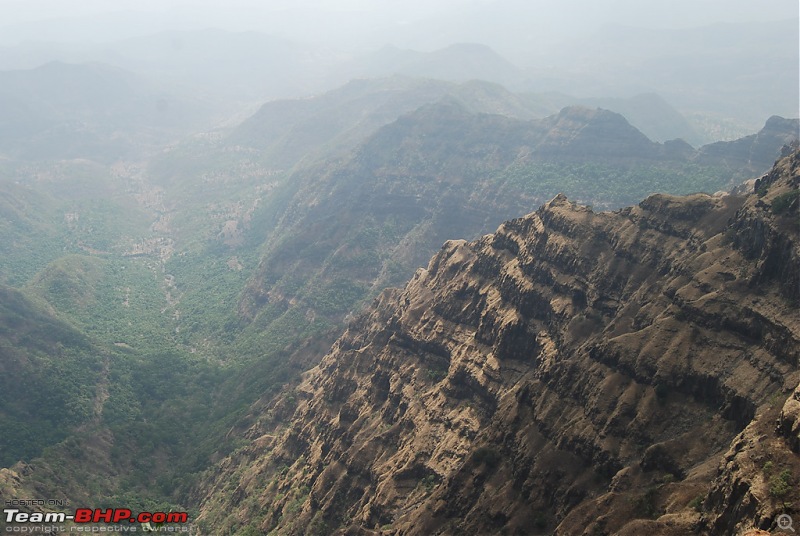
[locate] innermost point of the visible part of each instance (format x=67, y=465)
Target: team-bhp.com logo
x=147, y=520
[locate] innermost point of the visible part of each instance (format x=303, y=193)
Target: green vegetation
x=435, y=375
x=781, y=484
x=48, y=381
x=429, y=482
x=131, y=341
x=336, y=296
x=158, y=303
x=645, y=505
x=118, y=301
x=612, y=186
x=782, y=202
x=72, y=210
x=318, y=526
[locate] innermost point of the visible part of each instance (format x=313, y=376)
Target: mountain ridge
x=416, y=170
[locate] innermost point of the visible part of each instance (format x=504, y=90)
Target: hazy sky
x=673, y=13
x=369, y=23
x=559, y=45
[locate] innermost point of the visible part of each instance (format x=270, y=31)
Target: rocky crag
x=573, y=373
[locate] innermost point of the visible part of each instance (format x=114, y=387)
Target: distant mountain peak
x=457, y=62
x=777, y=122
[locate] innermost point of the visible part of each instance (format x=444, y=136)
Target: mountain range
x=185, y=318
x=711, y=74
x=443, y=172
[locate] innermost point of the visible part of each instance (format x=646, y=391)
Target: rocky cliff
x=573, y=373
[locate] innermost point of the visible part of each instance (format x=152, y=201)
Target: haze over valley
x=470, y=266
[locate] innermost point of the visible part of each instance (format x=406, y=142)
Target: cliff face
x=572, y=373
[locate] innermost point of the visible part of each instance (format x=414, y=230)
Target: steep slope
x=91, y=422
x=572, y=373
x=49, y=373
x=353, y=227
x=356, y=225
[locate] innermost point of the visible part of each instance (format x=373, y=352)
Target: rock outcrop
x=573, y=373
